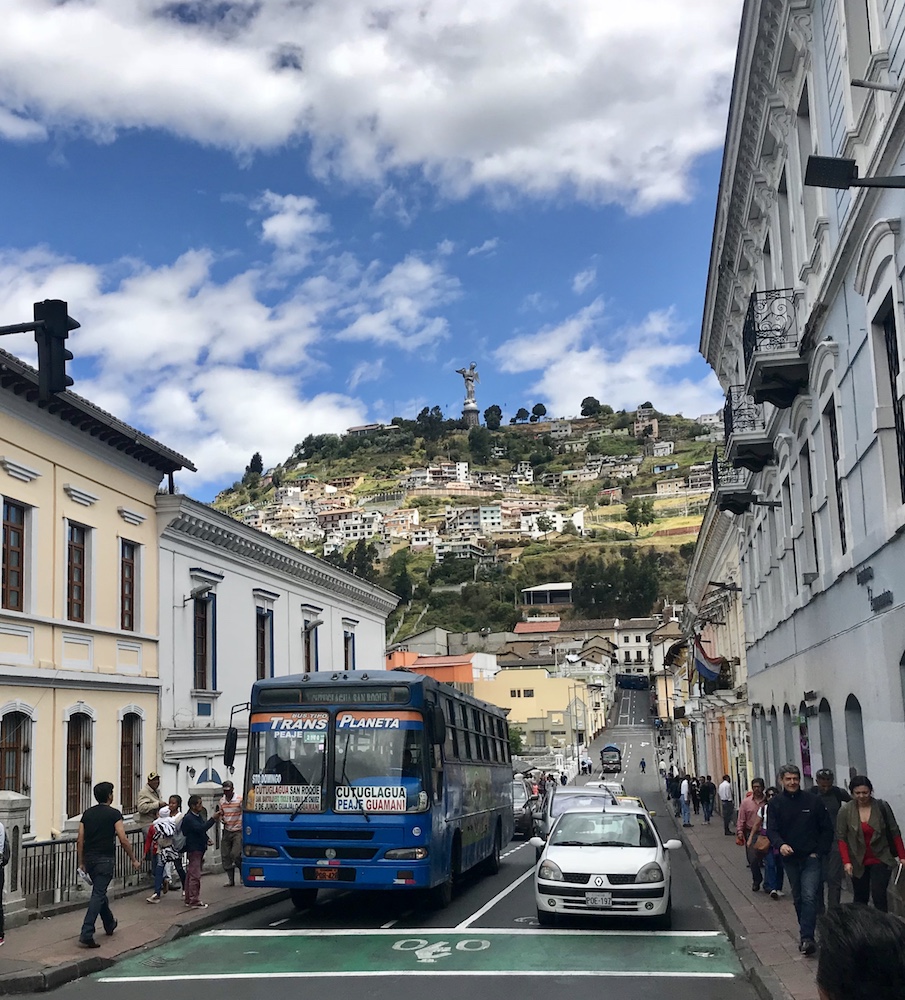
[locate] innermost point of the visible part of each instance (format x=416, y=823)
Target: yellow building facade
x=79, y=615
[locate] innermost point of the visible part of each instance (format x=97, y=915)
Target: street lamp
x=840, y=173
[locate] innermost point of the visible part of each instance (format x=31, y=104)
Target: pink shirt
x=746, y=813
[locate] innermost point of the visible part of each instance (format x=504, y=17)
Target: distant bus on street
x=611, y=759
x=372, y=780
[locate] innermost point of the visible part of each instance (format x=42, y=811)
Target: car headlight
x=550, y=871
x=407, y=854
x=650, y=873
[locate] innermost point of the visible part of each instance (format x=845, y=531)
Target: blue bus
x=611, y=759
x=372, y=780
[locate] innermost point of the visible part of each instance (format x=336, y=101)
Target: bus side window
x=452, y=736
x=466, y=736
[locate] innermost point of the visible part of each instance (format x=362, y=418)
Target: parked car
x=604, y=862
x=524, y=803
x=567, y=797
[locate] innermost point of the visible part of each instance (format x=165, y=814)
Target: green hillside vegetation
x=618, y=568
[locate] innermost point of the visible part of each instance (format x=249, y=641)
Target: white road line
x=490, y=905
x=524, y=843
x=277, y=923
x=385, y=974
x=238, y=932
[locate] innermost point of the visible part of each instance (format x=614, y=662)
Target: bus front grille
x=303, y=834
x=339, y=853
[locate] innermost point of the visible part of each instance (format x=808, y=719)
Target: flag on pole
x=707, y=667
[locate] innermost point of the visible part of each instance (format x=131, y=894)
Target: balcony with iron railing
x=775, y=370
x=748, y=443
x=731, y=486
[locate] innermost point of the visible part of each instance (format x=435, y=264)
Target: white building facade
x=804, y=325
x=237, y=606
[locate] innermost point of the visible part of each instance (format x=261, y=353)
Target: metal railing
x=771, y=323
x=741, y=413
x=726, y=476
x=48, y=870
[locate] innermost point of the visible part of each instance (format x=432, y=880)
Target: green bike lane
x=316, y=954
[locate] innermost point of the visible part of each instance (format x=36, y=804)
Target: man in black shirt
x=800, y=829
x=832, y=796
x=99, y=829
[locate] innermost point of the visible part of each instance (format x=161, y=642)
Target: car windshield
x=602, y=829
x=519, y=793
x=565, y=801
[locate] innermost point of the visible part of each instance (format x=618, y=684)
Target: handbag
x=761, y=844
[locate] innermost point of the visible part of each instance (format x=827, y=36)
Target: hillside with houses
x=458, y=522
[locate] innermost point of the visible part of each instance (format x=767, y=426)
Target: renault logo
x=598, y=881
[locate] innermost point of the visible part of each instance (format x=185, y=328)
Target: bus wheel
x=492, y=862
x=440, y=896
x=302, y=899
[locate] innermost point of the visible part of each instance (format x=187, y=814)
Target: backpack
x=179, y=842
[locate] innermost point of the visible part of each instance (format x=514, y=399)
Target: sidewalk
x=44, y=953
x=768, y=927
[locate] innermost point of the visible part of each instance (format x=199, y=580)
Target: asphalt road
x=488, y=939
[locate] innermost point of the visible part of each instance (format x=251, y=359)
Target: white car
x=613, y=787
x=604, y=862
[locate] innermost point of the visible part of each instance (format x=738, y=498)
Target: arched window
x=827, y=740
x=854, y=737
x=15, y=750
x=774, y=733
x=130, y=760
x=790, y=753
x=78, y=763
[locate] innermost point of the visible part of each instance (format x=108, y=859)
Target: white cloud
x=612, y=101
x=487, y=248
x=584, y=280
x=635, y=364
x=220, y=368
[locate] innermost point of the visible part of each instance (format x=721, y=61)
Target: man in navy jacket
x=801, y=829
x=194, y=829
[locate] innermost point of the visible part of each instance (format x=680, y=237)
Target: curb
x=762, y=978
x=43, y=980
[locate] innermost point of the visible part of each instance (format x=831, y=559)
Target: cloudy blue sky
x=277, y=217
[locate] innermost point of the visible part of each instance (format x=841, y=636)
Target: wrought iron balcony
x=748, y=445
x=731, y=486
x=775, y=370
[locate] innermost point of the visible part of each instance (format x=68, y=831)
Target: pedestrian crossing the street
x=316, y=953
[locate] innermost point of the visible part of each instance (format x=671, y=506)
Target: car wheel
x=546, y=919
x=303, y=899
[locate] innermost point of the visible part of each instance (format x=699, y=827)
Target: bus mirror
x=438, y=723
x=229, y=749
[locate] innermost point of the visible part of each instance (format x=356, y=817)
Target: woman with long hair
x=870, y=843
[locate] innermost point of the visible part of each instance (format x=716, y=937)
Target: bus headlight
x=407, y=854
x=254, y=851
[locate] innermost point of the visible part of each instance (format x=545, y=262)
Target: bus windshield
x=379, y=762
x=287, y=759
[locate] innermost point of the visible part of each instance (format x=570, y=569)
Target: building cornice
x=80, y=679
x=217, y=531
x=716, y=530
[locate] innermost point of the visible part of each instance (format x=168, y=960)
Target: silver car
x=565, y=798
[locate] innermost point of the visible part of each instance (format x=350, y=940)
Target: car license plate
x=603, y=899
x=326, y=875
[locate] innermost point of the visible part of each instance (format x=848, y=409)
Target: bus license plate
x=603, y=899
x=326, y=875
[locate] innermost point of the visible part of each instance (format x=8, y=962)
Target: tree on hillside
x=493, y=417
x=544, y=524
x=539, y=410
x=590, y=407
x=256, y=464
x=522, y=415
x=606, y=410
x=479, y=444
x=429, y=423
x=534, y=418
x=639, y=512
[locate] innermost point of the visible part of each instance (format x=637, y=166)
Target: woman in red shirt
x=870, y=843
